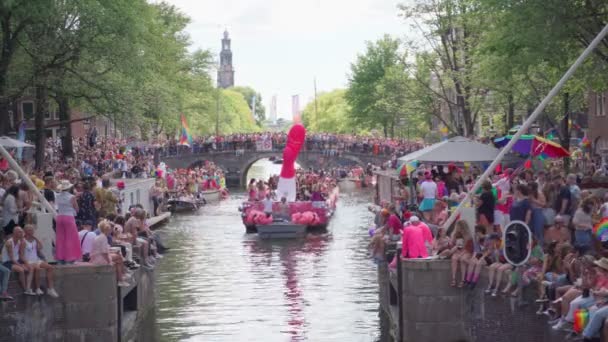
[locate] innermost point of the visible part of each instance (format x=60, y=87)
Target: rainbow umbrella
x=534, y=145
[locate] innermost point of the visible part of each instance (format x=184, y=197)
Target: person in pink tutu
x=67, y=244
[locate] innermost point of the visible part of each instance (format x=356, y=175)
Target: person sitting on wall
x=32, y=248
x=100, y=254
x=132, y=227
x=12, y=257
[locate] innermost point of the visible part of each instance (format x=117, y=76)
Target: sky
x=280, y=46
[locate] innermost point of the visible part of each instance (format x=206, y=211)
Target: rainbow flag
x=586, y=143
x=601, y=230
x=185, y=139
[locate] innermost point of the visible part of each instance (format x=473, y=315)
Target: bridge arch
x=236, y=164
x=249, y=163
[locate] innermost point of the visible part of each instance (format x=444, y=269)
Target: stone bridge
x=236, y=164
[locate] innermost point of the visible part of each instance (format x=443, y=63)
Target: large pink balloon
x=295, y=140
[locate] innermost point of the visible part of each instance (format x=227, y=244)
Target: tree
x=249, y=93
x=451, y=31
x=330, y=114
x=367, y=74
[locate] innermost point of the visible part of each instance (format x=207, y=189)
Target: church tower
x=225, y=74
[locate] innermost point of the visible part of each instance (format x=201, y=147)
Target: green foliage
x=235, y=115
x=260, y=111
x=330, y=115
x=377, y=90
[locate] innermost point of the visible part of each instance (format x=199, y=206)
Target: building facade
x=24, y=109
x=225, y=73
x=598, y=121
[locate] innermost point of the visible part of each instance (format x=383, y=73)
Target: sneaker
x=561, y=325
x=158, y=256
x=51, y=292
x=123, y=284
x=126, y=277
x=135, y=265
x=542, y=300
x=39, y=292
x=6, y=297
x=553, y=322
x=540, y=311
x=488, y=291
x=29, y=292
x=494, y=294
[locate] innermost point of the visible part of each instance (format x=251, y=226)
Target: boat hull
x=281, y=231
x=176, y=206
x=349, y=184
x=211, y=195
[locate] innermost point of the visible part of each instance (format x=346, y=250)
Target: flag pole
x=524, y=127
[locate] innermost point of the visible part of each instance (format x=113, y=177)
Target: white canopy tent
x=8, y=142
x=455, y=150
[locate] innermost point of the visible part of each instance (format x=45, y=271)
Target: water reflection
x=219, y=284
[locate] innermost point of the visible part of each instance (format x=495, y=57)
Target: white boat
x=348, y=184
x=281, y=230
x=176, y=205
x=211, y=195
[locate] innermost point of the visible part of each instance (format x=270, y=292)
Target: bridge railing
x=329, y=149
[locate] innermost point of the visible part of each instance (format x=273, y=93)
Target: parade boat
x=211, y=195
x=349, y=184
x=181, y=205
x=289, y=218
x=303, y=215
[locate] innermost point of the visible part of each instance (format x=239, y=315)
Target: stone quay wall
x=90, y=308
x=419, y=305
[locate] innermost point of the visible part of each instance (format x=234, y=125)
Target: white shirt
x=267, y=205
x=604, y=210
x=429, y=189
x=504, y=184
x=87, y=243
x=31, y=251
x=64, y=204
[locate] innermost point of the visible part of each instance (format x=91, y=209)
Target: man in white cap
x=416, y=236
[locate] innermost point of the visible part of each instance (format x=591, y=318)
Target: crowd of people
x=311, y=185
x=91, y=225
x=188, y=184
x=332, y=144
x=567, y=267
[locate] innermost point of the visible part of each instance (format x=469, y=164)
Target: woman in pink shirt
x=416, y=236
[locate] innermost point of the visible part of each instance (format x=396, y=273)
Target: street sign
x=517, y=239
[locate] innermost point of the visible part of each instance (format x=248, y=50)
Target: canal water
x=219, y=284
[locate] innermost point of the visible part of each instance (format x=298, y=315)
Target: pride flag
x=185, y=139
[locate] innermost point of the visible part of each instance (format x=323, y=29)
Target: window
x=27, y=110
x=600, y=104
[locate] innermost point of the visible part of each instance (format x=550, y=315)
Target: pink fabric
x=394, y=223
x=319, y=214
x=295, y=140
x=67, y=245
x=413, y=240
